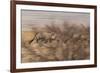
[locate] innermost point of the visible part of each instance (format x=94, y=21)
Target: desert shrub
x=69, y=42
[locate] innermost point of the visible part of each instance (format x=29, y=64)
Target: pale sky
x=41, y=18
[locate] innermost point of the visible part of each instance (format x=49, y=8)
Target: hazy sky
x=41, y=18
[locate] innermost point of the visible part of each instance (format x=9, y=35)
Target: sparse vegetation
x=54, y=43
